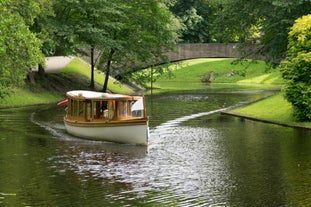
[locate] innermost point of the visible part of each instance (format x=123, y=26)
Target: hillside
x=194, y=74
x=53, y=86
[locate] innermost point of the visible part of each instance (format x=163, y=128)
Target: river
x=195, y=157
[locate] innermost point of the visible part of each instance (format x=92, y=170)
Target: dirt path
x=56, y=63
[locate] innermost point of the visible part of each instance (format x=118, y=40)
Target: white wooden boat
x=108, y=117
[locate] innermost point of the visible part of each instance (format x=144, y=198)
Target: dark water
x=195, y=157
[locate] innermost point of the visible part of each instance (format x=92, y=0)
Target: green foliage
x=147, y=32
x=124, y=32
x=194, y=18
x=237, y=19
x=19, y=47
x=296, y=68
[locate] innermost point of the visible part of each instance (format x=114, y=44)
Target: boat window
x=100, y=109
x=69, y=112
x=81, y=108
x=104, y=109
x=123, y=109
x=111, y=109
x=137, y=113
x=96, y=109
x=75, y=108
x=88, y=110
x=137, y=108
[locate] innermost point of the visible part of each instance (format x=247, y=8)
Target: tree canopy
x=194, y=17
x=132, y=34
x=87, y=24
x=20, y=49
x=265, y=23
x=148, y=30
x=296, y=68
x=124, y=32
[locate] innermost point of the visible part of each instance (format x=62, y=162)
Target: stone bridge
x=205, y=50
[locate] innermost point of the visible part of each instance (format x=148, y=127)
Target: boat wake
x=55, y=129
x=165, y=129
x=175, y=122
x=44, y=125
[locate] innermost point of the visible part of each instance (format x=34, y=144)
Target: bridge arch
x=206, y=50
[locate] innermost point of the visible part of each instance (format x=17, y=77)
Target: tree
x=44, y=31
x=194, y=16
x=87, y=24
x=296, y=69
x=146, y=32
x=265, y=23
x=19, y=47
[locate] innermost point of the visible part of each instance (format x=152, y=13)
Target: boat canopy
x=97, y=106
x=81, y=94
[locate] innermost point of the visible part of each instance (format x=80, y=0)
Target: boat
x=106, y=117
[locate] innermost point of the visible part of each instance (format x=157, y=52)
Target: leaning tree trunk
x=92, y=85
x=108, y=70
x=30, y=77
x=41, y=70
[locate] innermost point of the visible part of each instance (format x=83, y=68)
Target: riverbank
x=53, y=86
x=275, y=110
x=185, y=76
x=243, y=76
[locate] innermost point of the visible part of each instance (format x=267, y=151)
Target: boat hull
x=122, y=133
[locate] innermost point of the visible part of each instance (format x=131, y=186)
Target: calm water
x=195, y=157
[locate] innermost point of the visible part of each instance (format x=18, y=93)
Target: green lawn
x=187, y=75
x=53, y=87
x=23, y=96
x=275, y=108
x=80, y=67
x=272, y=108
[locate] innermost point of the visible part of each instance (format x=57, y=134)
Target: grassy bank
x=52, y=87
x=76, y=66
x=188, y=75
x=275, y=109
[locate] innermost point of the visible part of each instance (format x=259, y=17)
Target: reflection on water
x=195, y=157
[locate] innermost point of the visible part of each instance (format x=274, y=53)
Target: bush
x=296, y=69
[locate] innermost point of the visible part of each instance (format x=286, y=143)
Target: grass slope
x=52, y=87
x=187, y=75
x=76, y=66
x=274, y=108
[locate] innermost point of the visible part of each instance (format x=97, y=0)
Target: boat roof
x=84, y=94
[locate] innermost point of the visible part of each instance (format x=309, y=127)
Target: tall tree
x=87, y=23
x=147, y=31
x=269, y=19
x=296, y=68
x=19, y=47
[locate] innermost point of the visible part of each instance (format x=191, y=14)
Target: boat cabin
x=89, y=106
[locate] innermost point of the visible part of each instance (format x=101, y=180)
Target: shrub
x=296, y=69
